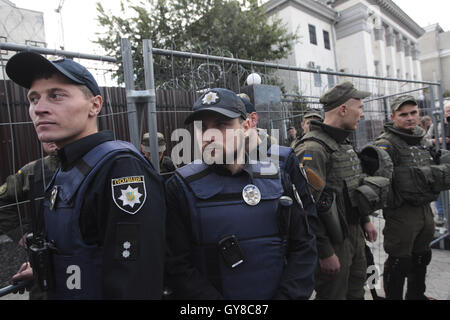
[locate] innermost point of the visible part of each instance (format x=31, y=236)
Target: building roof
x=433, y=27
x=317, y=7
x=327, y=11
x=395, y=11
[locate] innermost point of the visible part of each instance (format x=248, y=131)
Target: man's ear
x=246, y=124
x=96, y=106
x=253, y=119
x=342, y=109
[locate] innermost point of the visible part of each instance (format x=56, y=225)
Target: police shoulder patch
x=129, y=193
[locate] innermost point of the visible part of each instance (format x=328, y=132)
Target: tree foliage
x=217, y=27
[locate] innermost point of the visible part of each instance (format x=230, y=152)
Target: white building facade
x=434, y=48
x=368, y=37
x=376, y=38
x=313, y=23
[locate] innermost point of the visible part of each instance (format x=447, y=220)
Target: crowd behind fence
x=180, y=77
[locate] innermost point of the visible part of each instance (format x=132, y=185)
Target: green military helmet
x=376, y=162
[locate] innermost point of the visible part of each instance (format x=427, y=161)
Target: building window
x=36, y=43
x=331, y=81
x=318, y=78
x=377, y=68
x=3, y=52
x=312, y=34
x=326, y=39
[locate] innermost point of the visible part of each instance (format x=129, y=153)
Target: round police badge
x=251, y=195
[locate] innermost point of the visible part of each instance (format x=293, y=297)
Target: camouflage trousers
x=349, y=282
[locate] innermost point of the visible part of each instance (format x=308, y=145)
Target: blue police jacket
x=77, y=267
x=217, y=210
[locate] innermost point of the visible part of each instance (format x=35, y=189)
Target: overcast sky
x=79, y=19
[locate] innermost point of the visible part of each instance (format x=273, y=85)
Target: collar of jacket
x=338, y=134
x=411, y=137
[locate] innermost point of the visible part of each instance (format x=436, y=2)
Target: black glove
x=436, y=155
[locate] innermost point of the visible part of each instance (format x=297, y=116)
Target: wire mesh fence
x=285, y=94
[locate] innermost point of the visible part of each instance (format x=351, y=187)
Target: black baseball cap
x=219, y=100
x=23, y=67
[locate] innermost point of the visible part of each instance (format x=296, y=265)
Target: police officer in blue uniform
x=235, y=228
x=102, y=235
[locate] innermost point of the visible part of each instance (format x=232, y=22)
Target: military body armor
x=412, y=176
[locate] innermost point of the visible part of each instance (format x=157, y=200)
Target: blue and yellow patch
x=307, y=157
x=383, y=146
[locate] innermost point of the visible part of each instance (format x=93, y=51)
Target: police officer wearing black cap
x=104, y=212
x=235, y=229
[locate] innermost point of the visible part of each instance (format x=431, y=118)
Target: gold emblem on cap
x=251, y=195
x=210, y=98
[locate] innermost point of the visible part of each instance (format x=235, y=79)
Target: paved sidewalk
x=438, y=272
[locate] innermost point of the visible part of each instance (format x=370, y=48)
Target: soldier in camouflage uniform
x=416, y=182
x=17, y=189
x=166, y=165
x=338, y=184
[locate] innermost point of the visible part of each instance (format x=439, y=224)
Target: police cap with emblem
x=24, y=67
x=219, y=100
x=401, y=100
x=340, y=94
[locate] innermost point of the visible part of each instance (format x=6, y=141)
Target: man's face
x=145, y=153
x=292, y=133
x=447, y=112
x=60, y=111
x=407, y=117
x=353, y=114
x=306, y=122
x=214, y=135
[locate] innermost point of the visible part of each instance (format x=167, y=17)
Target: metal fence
x=174, y=79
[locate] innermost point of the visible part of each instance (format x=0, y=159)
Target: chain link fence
x=174, y=79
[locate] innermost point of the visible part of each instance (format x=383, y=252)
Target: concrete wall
x=20, y=25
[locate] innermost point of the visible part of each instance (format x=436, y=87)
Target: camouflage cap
x=146, y=144
x=339, y=94
x=401, y=100
x=313, y=114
